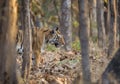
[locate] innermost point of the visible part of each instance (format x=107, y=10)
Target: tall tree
x=118, y=7
x=65, y=23
x=100, y=23
x=27, y=39
x=105, y=16
x=8, y=31
x=112, y=24
x=92, y=15
x=84, y=40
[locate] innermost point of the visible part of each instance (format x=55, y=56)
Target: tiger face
x=55, y=38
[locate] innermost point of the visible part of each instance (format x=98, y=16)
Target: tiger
x=19, y=42
x=41, y=36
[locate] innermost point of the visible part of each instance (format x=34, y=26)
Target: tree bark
x=65, y=23
x=100, y=24
x=112, y=24
x=8, y=32
x=105, y=17
x=27, y=39
x=92, y=16
x=84, y=40
x=118, y=7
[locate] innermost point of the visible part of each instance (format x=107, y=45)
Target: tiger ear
x=56, y=29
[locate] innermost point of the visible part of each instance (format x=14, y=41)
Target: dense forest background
x=91, y=31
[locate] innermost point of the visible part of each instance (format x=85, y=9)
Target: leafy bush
x=50, y=47
x=94, y=39
x=76, y=45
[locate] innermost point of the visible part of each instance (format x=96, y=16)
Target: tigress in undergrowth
x=40, y=36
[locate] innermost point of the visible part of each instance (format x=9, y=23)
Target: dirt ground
x=60, y=67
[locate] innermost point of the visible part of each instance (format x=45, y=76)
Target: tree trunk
x=27, y=39
x=84, y=40
x=118, y=6
x=65, y=23
x=8, y=31
x=92, y=16
x=100, y=24
x=105, y=17
x=112, y=23
x=94, y=11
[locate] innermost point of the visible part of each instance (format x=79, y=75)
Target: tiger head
x=55, y=37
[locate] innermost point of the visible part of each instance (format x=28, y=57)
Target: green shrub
x=50, y=47
x=94, y=39
x=76, y=45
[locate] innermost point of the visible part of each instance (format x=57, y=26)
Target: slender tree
x=112, y=24
x=27, y=39
x=65, y=23
x=105, y=17
x=100, y=24
x=118, y=7
x=84, y=40
x=92, y=15
x=8, y=31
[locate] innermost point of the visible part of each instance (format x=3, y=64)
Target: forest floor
x=60, y=67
